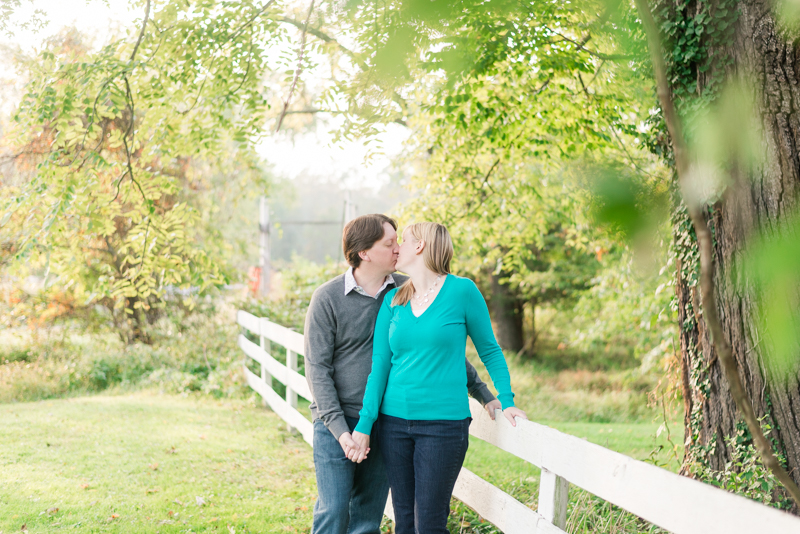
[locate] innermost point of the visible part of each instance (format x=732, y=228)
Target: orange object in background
x=254, y=280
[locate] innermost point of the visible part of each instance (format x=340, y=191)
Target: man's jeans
x=423, y=460
x=352, y=496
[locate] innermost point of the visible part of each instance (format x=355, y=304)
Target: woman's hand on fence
x=492, y=406
x=359, y=454
x=513, y=412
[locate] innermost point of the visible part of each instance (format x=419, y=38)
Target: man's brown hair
x=361, y=234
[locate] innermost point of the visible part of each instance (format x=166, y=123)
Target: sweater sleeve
x=381, y=365
x=479, y=329
x=320, y=334
x=477, y=389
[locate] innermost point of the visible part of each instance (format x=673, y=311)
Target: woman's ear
x=420, y=247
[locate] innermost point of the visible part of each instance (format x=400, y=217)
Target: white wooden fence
x=675, y=503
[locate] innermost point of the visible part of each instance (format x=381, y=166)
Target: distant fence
x=672, y=502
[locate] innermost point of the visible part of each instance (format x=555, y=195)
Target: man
x=338, y=343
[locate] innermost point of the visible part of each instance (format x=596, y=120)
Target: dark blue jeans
x=351, y=497
x=423, y=459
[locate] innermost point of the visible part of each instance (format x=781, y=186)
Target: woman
x=418, y=383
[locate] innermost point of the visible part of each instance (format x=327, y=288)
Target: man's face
x=383, y=253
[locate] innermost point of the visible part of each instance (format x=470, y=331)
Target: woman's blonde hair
x=437, y=254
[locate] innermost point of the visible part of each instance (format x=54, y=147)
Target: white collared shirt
x=350, y=284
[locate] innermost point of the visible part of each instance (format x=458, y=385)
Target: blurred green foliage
x=770, y=268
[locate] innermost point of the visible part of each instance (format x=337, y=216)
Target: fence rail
x=672, y=502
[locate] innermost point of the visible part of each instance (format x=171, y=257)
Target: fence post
x=265, y=376
x=263, y=245
x=553, y=498
x=291, y=395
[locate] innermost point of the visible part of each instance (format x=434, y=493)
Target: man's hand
x=513, y=412
x=359, y=454
x=492, y=406
x=347, y=443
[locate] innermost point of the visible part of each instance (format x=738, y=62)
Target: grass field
x=151, y=463
x=147, y=462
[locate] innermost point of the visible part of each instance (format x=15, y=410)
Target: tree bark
x=759, y=203
x=508, y=312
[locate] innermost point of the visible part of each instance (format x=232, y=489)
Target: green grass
x=138, y=463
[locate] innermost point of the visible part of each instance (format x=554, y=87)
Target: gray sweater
x=338, y=359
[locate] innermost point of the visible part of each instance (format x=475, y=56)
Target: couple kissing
x=385, y=362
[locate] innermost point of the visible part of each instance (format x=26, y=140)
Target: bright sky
x=311, y=153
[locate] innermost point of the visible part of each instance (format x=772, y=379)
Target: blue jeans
x=352, y=496
x=423, y=459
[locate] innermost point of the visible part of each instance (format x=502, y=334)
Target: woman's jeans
x=423, y=460
x=352, y=496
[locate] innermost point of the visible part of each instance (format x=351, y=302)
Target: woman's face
x=408, y=249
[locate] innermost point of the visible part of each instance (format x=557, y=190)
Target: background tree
x=496, y=129
x=109, y=149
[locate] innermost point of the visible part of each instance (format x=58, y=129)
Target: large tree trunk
x=508, y=313
x=760, y=202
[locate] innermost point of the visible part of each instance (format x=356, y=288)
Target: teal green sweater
x=418, y=370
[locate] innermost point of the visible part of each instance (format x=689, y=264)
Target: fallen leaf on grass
x=200, y=501
x=113, y=517
x=85, y=486
x=213, y=520
x=52, y=511
x=148, y=491
x=154, y=466
x=176, y=501
x=24, y=527
x=231, y=530
x=170, y=513
x=172, y=450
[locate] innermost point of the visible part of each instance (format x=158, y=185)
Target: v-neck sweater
x=418, y=370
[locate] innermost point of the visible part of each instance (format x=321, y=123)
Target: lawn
x=147, y=462
x=151, y=463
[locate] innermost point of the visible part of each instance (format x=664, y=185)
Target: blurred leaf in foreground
x=625, y=203
x=725, y=140
x=771, y=265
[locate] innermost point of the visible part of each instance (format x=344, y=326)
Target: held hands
x=347, y=443
x=355, y=446
x=359, y=454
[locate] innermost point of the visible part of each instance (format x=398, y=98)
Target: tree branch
x=141, y=33
x=251, y=21
x=299, y=69
x=324, y=37
x=704, y=243
x=312, y=111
